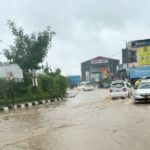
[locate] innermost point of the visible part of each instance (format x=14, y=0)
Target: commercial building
x=135, y=60
x=99, y=68
x=134, y=51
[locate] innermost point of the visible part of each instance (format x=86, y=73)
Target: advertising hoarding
x=144, y=55
x=138, y=43
x=129, y=56
x=104, y=72
x=139, y=72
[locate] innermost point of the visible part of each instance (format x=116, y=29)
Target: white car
x=81, y=85
x=120, y=89
x=143, y=91
x=86, y=86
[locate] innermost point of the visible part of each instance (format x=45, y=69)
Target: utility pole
x=127, y=54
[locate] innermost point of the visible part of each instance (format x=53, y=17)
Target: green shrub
x=60, y=85
x=33, y=90
x=51, y=85
x=4, y=88
x=19, y=89
x=46, y=83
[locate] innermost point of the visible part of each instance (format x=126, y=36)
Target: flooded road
x=88, y=121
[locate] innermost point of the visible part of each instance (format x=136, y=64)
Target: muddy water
x=89, y=121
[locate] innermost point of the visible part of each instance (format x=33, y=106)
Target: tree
x=28, y=51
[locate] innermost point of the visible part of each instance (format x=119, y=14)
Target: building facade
x=99, y=68
x=135, y=59
x=133, y=51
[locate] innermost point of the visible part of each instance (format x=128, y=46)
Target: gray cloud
x=84, y=29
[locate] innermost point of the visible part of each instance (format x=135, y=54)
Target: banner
x=104, y=72
x=139, y=72
x=144, y=55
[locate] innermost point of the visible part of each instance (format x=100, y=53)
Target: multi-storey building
x=135, y=60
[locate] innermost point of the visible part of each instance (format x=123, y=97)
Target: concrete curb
x=30, y=104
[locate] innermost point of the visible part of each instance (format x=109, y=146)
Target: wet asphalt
x=88, y=120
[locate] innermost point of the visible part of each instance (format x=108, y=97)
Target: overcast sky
x=84, y=28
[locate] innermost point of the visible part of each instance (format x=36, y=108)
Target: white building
x=11, y=70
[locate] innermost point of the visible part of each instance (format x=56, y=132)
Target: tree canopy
x=28, y=50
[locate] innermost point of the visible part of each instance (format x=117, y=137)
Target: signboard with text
x=139, y=72
x=99, y=61
x=144, y=55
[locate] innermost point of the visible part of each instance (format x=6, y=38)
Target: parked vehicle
x=81, y=85
x=143, y=91
x=120, y=89
x=137, y=83
x=86, y=86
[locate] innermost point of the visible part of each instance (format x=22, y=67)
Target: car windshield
x=145, y=85
x=117, y=85
x=82, y=84
x=88, y=83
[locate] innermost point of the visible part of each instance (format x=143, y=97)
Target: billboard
x=139, y=72
x=138, y=43
x=129, y=56
x=104, y=72
x=132, y=56
x=144, y=55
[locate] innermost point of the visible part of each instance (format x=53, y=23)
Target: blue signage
x=139, y=72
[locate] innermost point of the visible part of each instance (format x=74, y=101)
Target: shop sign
x=99, y=61
x=139, y=72
x=144, y=55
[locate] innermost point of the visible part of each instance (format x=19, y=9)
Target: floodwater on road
x=88, y=121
